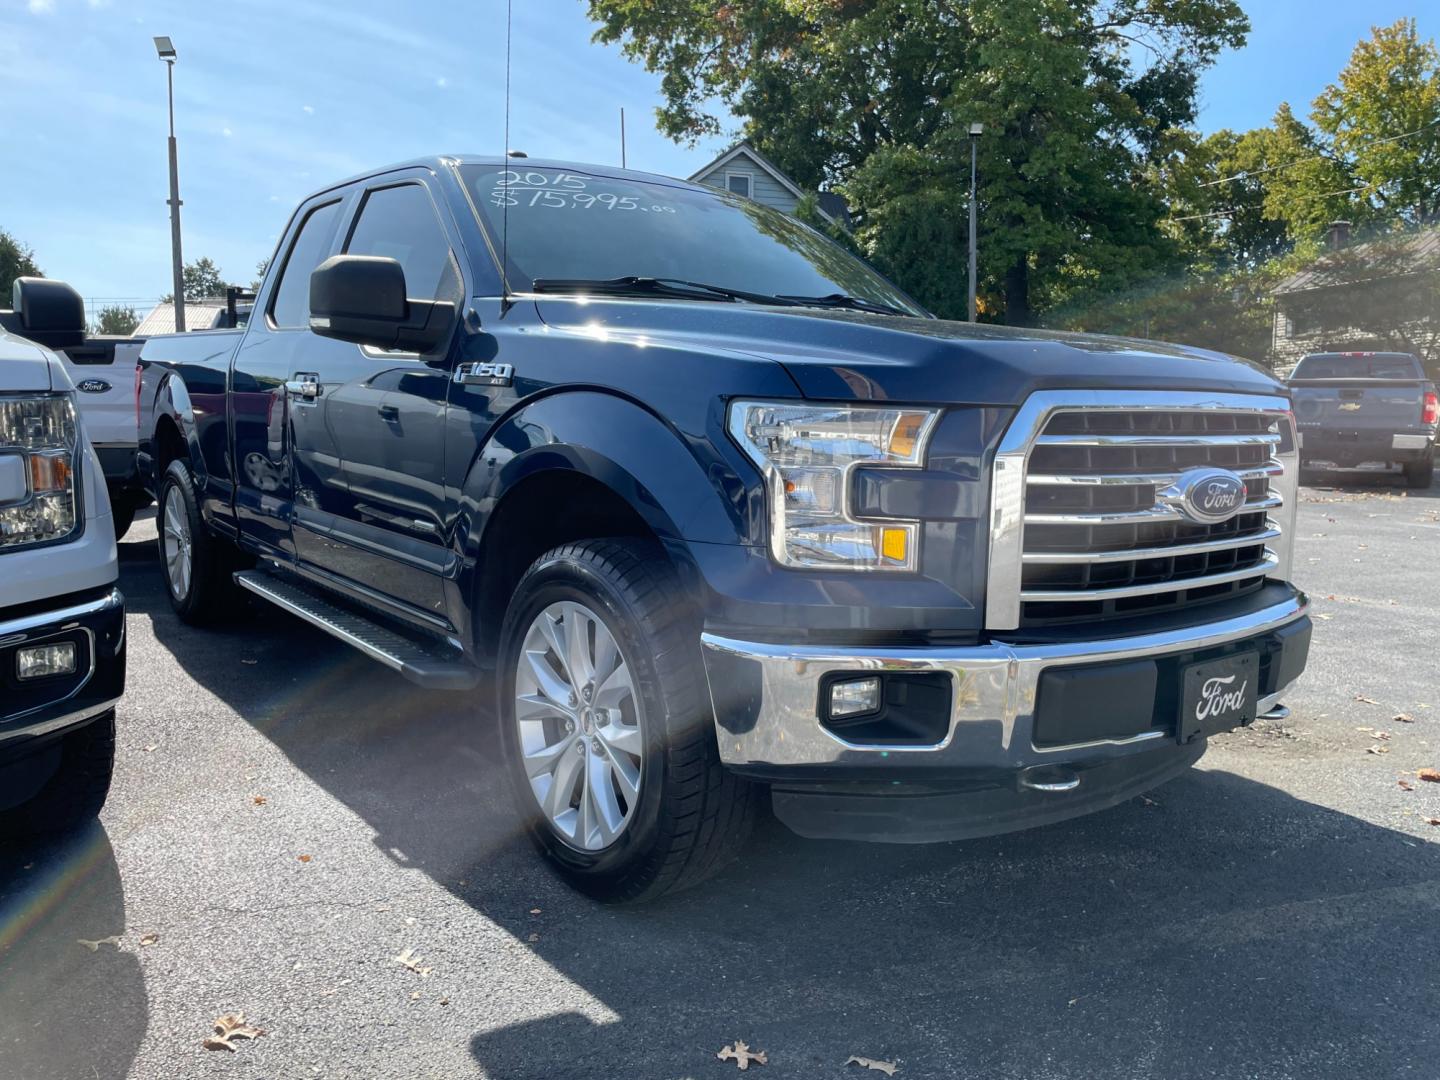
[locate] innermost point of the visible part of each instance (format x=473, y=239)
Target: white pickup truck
x=103, y=371
x=62, y=620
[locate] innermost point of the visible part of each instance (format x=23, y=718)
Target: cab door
x=268, y=401
x=374, y=519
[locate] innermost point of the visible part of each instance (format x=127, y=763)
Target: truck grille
x=1096, y=542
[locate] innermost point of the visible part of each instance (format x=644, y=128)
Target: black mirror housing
x=49, y=312
x=361, y=298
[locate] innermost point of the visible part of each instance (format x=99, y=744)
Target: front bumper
x=34, y=714
x=1001, y=732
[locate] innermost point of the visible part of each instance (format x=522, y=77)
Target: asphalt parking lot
x=289, y=818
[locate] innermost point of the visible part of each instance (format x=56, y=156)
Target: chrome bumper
x=994, y=700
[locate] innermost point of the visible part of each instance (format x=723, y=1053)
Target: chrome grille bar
x=1159, y=439
x=1272, y=468
x=1255, y=570
x=1270, y=532
x=1136, y=517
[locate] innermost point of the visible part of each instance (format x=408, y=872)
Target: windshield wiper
x=842, y=300
x=676, y=288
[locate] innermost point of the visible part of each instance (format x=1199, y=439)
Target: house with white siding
x=743, y=170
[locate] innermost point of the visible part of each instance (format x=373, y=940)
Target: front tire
x=607, y=727
x=196, y=564
x=76, y=791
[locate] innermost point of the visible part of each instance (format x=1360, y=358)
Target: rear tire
x=1420, y=474
x=667, y=817
x=75, y=794
x=195, y=563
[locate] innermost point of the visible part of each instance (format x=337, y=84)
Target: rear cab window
x=291, y=306
x=1358, y=366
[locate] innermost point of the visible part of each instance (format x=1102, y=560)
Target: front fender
x=679, y=484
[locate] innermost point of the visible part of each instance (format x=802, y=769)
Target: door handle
x=304, y=385
x=388, y=412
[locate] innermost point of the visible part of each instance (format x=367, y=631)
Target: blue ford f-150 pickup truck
x=711, y=510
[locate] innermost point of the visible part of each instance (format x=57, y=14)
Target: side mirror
x=361, y=298
x=49, y=312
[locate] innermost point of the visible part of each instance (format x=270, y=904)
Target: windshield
x=574, y=225
x=1358, y=366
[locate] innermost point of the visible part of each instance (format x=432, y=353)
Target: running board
x=434, y=666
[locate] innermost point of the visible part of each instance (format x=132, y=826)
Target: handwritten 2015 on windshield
x=564, y=191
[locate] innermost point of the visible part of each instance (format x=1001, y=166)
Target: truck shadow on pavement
x=67, y=1010
x=1220, y=927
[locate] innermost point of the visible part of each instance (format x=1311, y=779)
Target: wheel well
x=169, y=445
x=541, y=512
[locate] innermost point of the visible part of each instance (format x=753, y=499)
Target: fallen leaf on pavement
x=304, y=858
x=1377, y=749
x=1321, y=616
x=1403, y=718
x=1432, y=775
x=259, y=800
x=1432, y=821
x=1405, y=785
x=887, y=1067
x=408, y=959
x=152, y=747
x=150, y=939
x=742, y=1055
x=94, y=946
x=228, y=1028
x=1382, y=734
x=1366, y=700
x=445, y=1001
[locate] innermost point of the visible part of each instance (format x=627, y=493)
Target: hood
x=23, y=364
x=842, y=355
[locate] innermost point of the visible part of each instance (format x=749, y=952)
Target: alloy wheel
x=176, y=544
x=579, y=725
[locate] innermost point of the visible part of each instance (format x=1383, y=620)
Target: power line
x=1315, y=157
x=1236, y=210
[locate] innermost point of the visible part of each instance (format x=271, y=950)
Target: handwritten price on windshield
x=584, y=200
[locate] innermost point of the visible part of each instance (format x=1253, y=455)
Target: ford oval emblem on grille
x=93, y=386
x=1206, y=496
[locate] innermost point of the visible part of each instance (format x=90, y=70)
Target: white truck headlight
x=806, y=454
x=38, y=458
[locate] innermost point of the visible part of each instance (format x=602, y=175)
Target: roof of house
x=199, y=315
x=1422, y=252
x=771, y=169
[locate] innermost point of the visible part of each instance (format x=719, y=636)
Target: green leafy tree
x=118, y=320
x=16, y=260
x=201, y=280
x=260, y=268
x=875, y=98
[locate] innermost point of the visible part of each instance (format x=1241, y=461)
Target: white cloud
x=41, y=7
x=309, y=109
x=226, y=132
x=442, y=82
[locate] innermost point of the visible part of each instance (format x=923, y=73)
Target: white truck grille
x=1080, y=533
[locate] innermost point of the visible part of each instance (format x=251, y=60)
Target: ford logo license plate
x=1206, y=496
x=93, y=386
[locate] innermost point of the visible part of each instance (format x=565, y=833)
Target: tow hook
x=1049, y=778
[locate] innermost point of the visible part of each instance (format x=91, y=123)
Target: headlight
x=38, y=458
x=806, y=453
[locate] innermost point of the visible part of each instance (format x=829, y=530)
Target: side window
x=291, y=306
x=399, y=223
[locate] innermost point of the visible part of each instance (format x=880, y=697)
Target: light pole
x=166, y=49
x=975, y=132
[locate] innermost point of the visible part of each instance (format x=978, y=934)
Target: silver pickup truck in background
x=1355, y=408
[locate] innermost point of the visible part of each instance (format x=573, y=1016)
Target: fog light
x=854, y=697
x=39, y=661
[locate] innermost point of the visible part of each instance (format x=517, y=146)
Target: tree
x=201, y=280
x=260, y=268
x=16, y=260
x=875, y=98
x=117, y=320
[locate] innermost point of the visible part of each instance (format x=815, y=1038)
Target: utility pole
x=975, y=132
x=166, y=50
x=622, y=136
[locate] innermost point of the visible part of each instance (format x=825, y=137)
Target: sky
x=275, y=98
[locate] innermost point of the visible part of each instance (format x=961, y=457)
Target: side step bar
x=434, y=666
